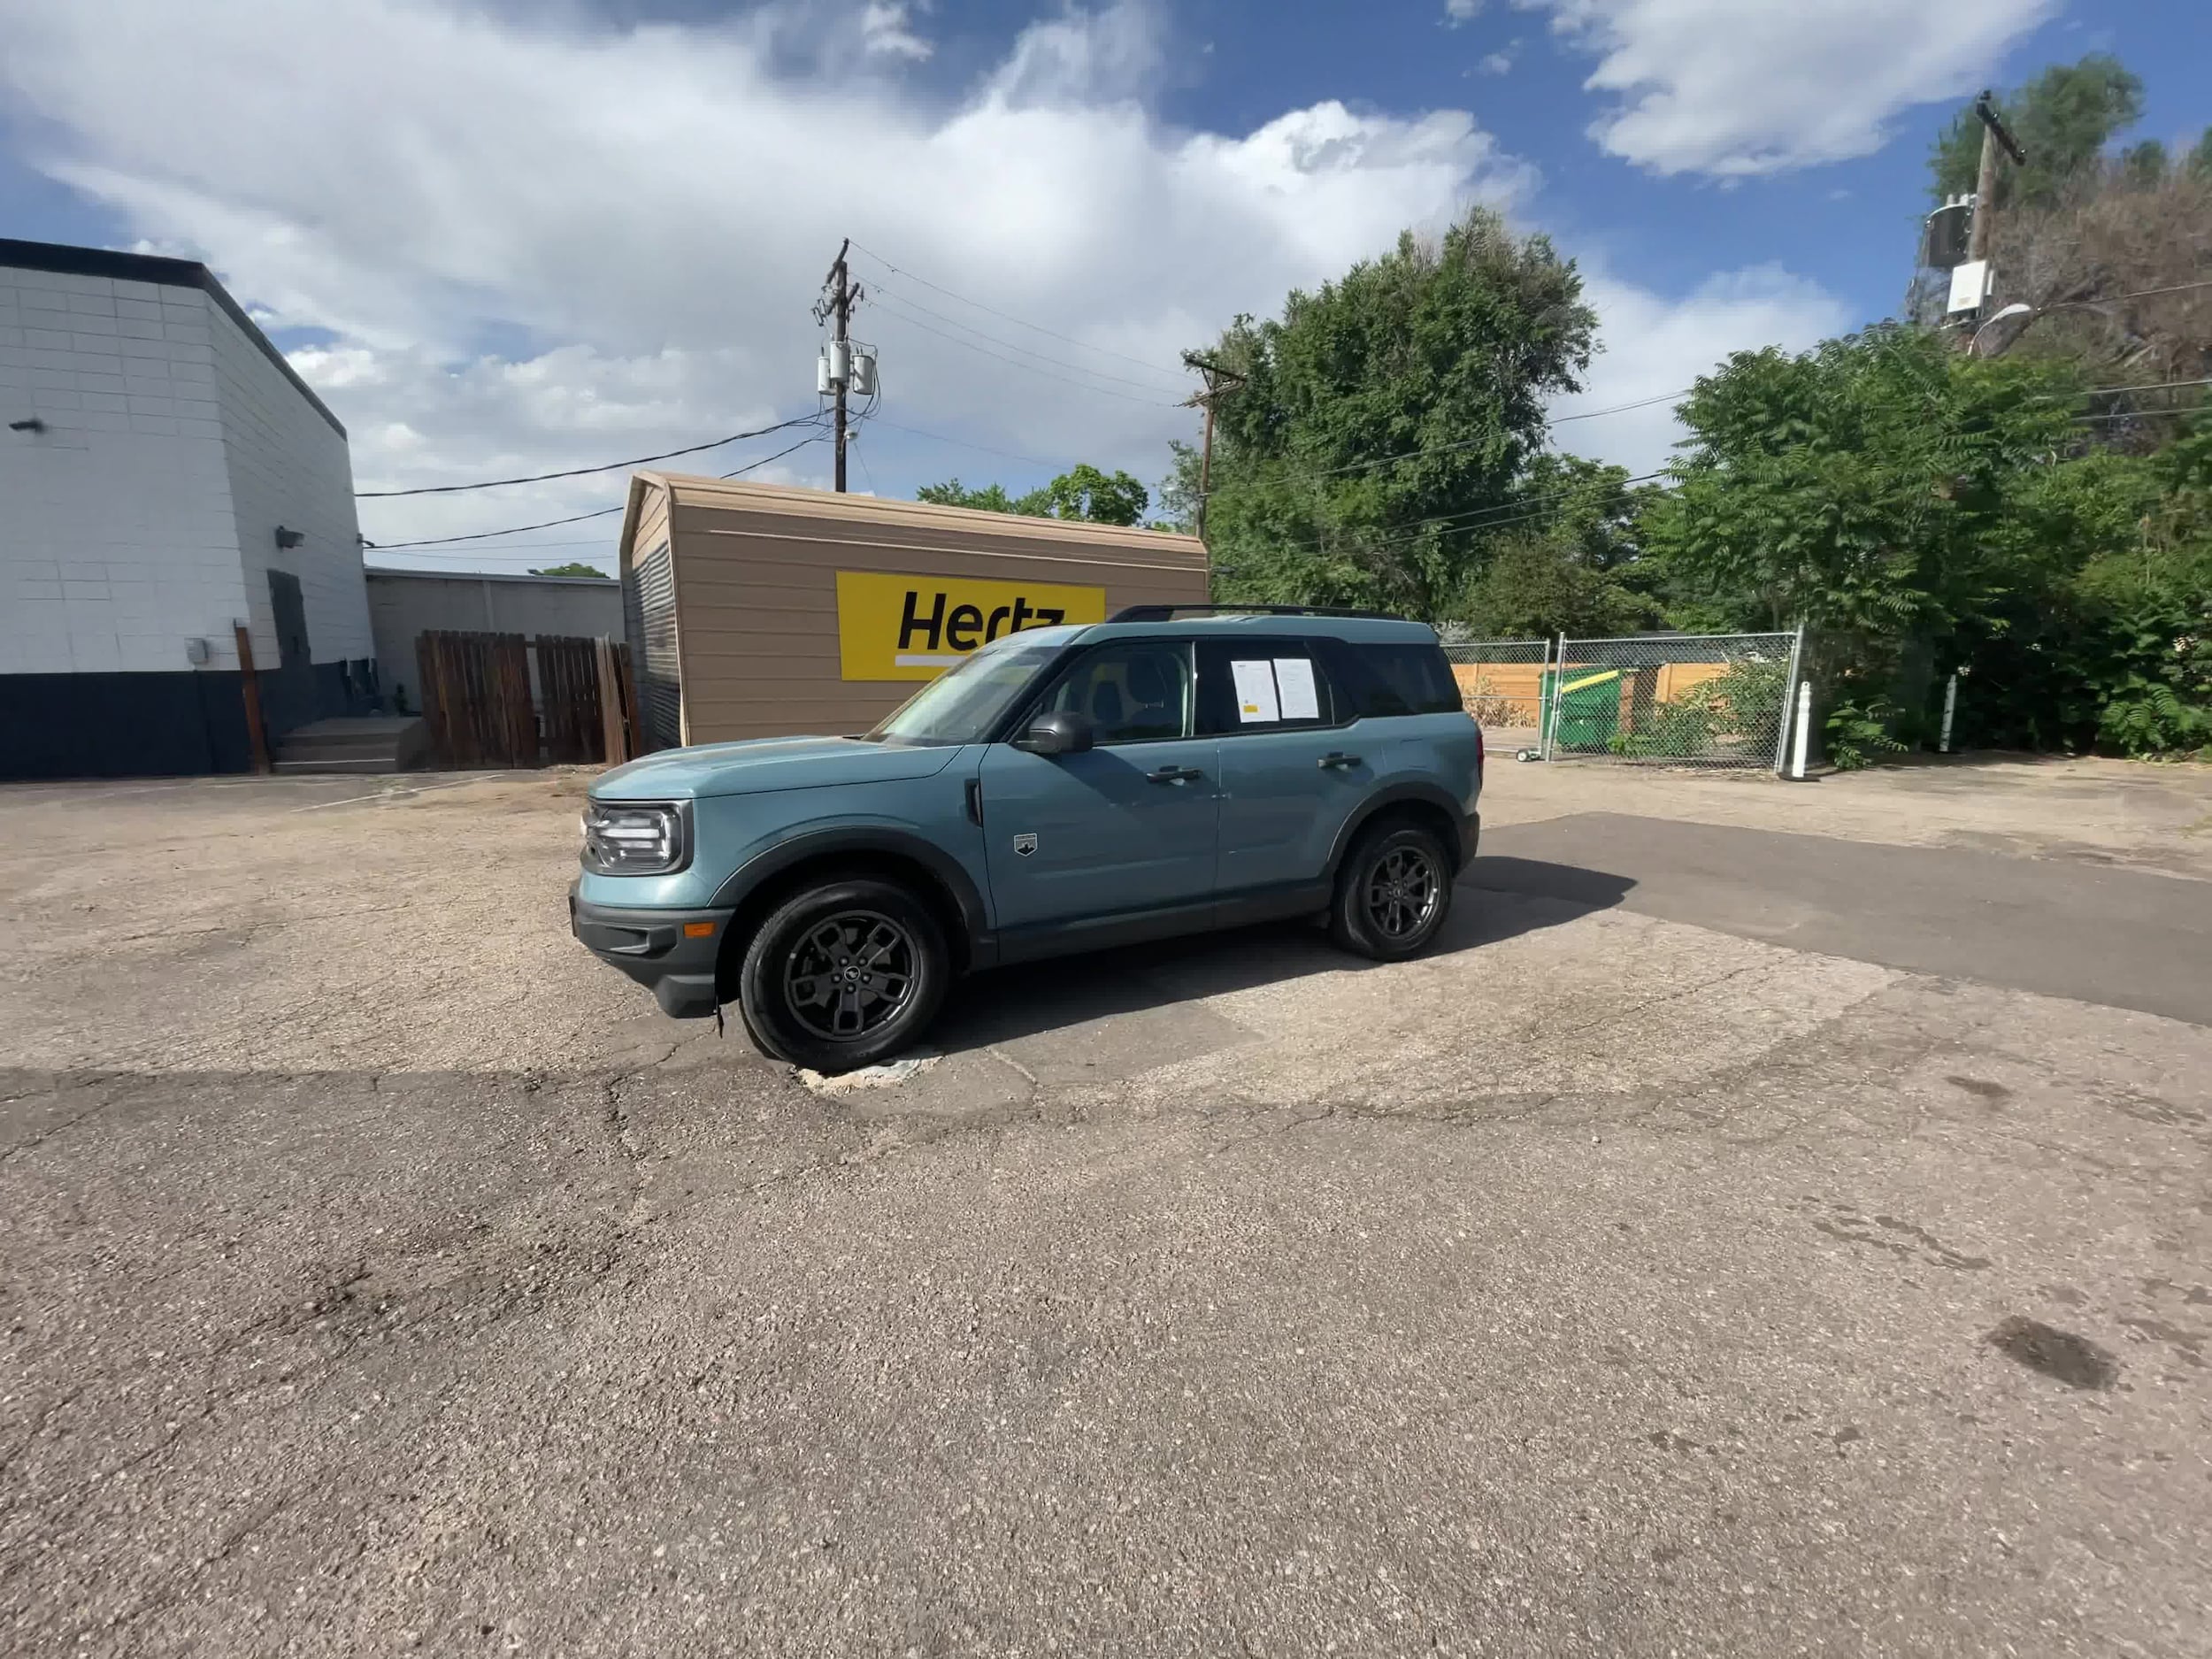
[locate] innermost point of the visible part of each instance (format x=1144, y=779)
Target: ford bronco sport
x=1062, y=789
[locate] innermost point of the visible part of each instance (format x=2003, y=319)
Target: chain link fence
x=1717, y=700
x=1502, y=683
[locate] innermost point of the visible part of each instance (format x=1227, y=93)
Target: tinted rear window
x=1387, y=679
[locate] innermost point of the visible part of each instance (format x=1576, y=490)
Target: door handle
x=1336, y=760
x=1174, y=774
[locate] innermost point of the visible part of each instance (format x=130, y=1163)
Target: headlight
x=635, y=838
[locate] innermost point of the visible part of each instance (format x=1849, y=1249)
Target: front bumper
x=671, y=953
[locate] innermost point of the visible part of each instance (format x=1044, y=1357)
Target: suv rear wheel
x=844, y=974
x=1392, y=893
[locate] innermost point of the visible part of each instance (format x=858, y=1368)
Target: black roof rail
x=1167, y=613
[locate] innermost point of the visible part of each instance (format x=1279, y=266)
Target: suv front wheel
x=844, y=974
x=1392, y=893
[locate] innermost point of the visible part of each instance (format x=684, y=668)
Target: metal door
x=1126, y=826
x=1292, y=768
x=294, y=702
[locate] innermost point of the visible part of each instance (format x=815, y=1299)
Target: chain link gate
x=1502, y=683
x=1716, y=701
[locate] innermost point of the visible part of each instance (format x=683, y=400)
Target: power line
x=1024, y=363
x=1005, y=316
x=2113, y=299
x=1488, y=517
x=2144, y=293
x=754, y=466
x=2155, y=386
x=1080, y=368
x=518, y=551
x=2190, y=413
x=1038, y=461
x=963, y=443
x=1619, y=408
x=487, y=536
x=1472, y=443
x=579, y=471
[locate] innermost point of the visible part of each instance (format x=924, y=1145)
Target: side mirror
x=1059, y=732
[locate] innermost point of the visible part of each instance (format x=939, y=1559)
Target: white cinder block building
x=165, y=474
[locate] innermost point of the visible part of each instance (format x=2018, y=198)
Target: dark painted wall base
x=160, y=725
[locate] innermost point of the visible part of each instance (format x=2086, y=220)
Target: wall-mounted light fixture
x=29, y=423
x=289, y=538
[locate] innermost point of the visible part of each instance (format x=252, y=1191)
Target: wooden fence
x=477, y=699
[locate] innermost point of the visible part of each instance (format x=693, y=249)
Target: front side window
x=1264, y=686
x=1135, y=691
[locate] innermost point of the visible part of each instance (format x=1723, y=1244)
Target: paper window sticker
x=1255, y=683
x=1299, y=697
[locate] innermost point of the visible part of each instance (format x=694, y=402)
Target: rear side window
x=1265, y=685
x=1389, y=679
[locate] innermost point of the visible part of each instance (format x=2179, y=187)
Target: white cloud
x=1737, y=88
x=1459, y=11
x=1497, y=63
x=886, y=31
x=661, y=203
x=541, y=246
x=1655, y=347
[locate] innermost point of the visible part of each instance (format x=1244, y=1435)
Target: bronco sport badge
x=1025, y=844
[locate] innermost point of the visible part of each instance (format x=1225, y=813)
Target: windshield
x=962, y=704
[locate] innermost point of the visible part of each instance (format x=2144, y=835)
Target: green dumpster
x=1589, y=709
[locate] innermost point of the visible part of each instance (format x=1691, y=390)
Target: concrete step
x=373, y=766
x=356, y=744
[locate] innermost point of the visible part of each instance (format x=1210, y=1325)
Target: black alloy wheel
x=849, y=975
x=844, y=974
x=1403, y=890
x=1393, y=891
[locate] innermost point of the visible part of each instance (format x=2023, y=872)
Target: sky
x=514, y=236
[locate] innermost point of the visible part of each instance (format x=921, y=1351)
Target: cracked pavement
x=1692, y=1256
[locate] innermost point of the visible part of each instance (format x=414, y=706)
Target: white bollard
x=1950, y=707
x=1804, y=728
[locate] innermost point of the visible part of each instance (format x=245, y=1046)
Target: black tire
x=844, y=974
x=1394, y=892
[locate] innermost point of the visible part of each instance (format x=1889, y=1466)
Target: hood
x=766, y=763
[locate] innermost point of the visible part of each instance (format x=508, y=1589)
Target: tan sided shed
x=758, y=611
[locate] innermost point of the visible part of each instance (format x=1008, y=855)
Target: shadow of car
x=1497, y=899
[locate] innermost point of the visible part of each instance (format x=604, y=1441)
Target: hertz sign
x=915, y=628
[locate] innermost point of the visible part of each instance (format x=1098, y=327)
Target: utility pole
x=1218, y=380
x=835, y=308
x=1995, y=136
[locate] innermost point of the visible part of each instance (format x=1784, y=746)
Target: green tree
x=1085, y=493
x=1534, y=586
x=2200, y=161
x=1861, y=488
x=574, y=568
x=952, y=493
x=2063, y=119
x=1383, y=419
x=1565, y=558
x=2144, y=164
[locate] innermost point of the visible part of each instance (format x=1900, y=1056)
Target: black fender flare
x=830, y=839
x=1397, y=795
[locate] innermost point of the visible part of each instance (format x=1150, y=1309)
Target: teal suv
x=1063, y=789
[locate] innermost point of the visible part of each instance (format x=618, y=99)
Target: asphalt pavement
x=1728, y=1241
x=2125, y=938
